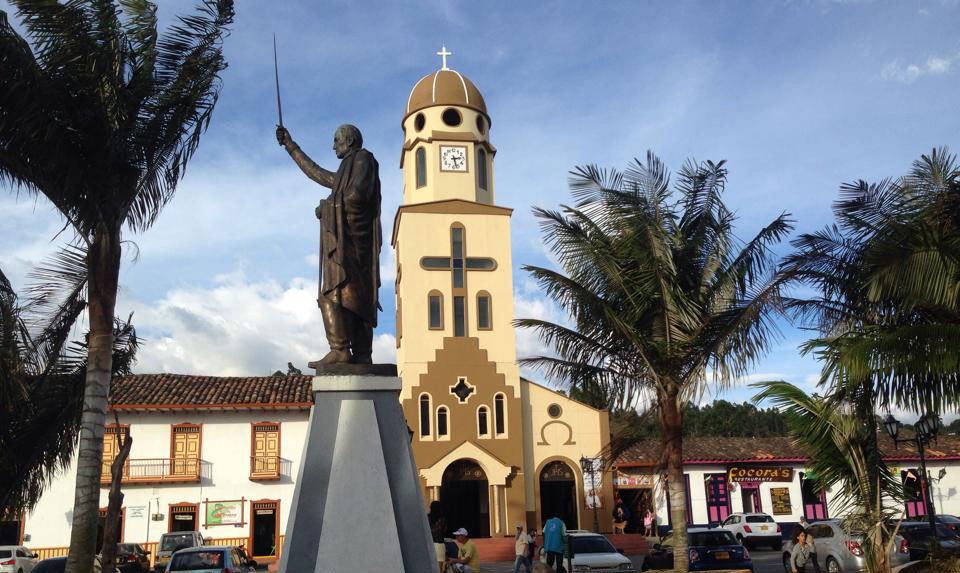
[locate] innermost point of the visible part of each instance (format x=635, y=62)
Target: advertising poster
x=224, y=513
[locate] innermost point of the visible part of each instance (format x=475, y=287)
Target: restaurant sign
x=629, y=478
x=755, y=474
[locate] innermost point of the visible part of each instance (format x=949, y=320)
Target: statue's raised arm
x=307, y=165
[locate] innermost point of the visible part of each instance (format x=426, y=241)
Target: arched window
x=483, y=422
x=443, y=423
x=500, y=415
x=484, y=311
x=482, y=168
x=425, y=411
x=435, y=310
x=421, y=167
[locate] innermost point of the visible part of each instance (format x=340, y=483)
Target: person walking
x=648, y=523
x=555, y=542
x=438, y=529
x=522, y=551
x=468, y=559
x=800, y=554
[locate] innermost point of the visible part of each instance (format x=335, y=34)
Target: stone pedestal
x=357, y=505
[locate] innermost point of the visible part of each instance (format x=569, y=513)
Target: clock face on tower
x=453, y=158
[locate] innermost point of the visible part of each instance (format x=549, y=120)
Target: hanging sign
x=633, y=478
x=759, y=473
x=593, y=484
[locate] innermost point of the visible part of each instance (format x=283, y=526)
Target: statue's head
x=346, y=138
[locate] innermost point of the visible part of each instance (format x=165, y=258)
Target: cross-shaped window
x=458, y=264
x=462, y=390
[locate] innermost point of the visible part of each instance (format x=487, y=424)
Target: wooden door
x=186, y=451
x=718, y=497
x=111, y=447
x=266, y=450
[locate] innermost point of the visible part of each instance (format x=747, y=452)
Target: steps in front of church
x=502, y=548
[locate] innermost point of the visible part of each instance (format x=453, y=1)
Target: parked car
x=752, y=529
x=16, y=559
x=951, y=521
x=170, y=543
x=709, y=549
x=210, y=559
x=593, y=552
x=918, y=535
x=59, y=564
x=132, y=558
x=841, y=552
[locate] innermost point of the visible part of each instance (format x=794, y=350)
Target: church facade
x=494, y=448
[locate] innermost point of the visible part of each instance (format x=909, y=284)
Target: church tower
x=456, y=348
x=494, y=449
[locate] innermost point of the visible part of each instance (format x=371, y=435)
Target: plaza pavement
x=763, y=562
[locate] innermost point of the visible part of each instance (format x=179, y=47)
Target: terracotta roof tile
x=186, y=390
x=721, y=450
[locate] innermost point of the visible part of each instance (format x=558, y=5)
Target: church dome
x=445, y=87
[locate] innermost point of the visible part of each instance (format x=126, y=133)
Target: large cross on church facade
x=458, y=264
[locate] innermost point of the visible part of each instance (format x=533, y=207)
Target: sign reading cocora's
x=754, y=473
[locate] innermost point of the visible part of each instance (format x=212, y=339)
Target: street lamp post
x=586, y=464
x=926, y=429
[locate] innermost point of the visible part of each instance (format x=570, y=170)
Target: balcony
x=157, y=470
x=265, y=468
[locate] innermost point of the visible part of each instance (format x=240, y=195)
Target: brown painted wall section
x=463, y=357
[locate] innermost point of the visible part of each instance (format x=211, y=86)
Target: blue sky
x=797, y=96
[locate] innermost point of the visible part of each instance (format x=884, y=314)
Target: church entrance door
x=465, y=496
x=558, y=494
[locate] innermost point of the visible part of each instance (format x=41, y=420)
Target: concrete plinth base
x=357, y=505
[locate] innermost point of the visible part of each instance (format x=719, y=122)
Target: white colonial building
x=769, y=475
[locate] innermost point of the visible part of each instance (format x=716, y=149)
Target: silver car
x=842, y=552
x=210, y=559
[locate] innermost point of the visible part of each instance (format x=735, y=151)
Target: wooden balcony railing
x=264, y=468
x=158, y=470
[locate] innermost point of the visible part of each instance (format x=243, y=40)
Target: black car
x=132, y=558
x=709, y=549
x=59, y=564
x=950, y=521
x=918, y=536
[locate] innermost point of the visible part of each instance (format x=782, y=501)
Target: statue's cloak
x=351, y=236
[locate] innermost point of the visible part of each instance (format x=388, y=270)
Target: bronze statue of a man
x=350, y=239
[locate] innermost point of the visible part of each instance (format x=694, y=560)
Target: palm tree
x=843, y=453
x=886, y=279
x=887, y=282
x=44, y=374
x=661, y=294
x=101, y=116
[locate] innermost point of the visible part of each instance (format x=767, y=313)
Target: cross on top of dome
x=443, y=53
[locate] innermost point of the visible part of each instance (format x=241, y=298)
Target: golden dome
x=445, y=87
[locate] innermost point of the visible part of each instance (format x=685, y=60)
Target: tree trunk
x=111, y=529
x=671, y=436
x=103, y=269
x=877, y=545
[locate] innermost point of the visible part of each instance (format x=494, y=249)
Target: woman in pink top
x=648, y=523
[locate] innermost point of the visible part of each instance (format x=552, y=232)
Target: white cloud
x=934, y=65
x=236, y=327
